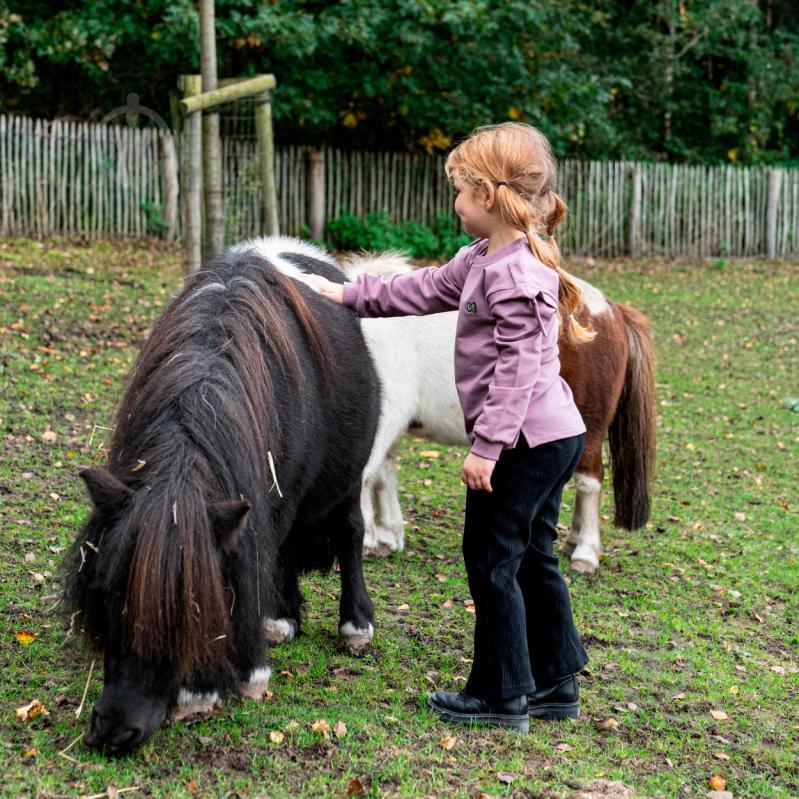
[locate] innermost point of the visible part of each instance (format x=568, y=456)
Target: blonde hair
x=517, y=160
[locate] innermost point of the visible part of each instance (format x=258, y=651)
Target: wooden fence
x=91, y=180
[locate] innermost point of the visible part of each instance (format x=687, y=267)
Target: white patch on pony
x=593, y=298
x=349, y=630
x=279, y=630
x=584, y=532
x=273, y=247
x=257, y=685
x=392, y=262
x=190, y=703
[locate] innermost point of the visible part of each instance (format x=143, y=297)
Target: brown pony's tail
x=632, y=432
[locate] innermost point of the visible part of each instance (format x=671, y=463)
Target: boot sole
x=555, y=710
x=518, y=723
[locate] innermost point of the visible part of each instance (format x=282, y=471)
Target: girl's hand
x=325, y=287
x=476, y=472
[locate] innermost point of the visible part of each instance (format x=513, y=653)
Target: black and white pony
x=235, y=464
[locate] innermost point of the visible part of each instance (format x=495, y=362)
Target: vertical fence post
x=635, y=211
x=192, y=85
x=170, y=172
x=774, y=184
x=315, y=191
x=266, y=155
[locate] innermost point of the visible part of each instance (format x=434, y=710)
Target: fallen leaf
x=740, y=516
x=320, y=726
x=778, y=669
x=292, y=725
x=29, y=753
x=430, y=453
x=113, y=793
x=339, y=729
x=607, y=724
x=32, y=710
x=276, y=737
x=719, y=795
x=717, y=782
x=25, y=637
x=721, y=756
x=564, y=747
x=191, y=787
x=355, y=787
x=506, y=778
x=448, y=742
x=447, y=604
x=49, y=436
x=404, y=606
x=719, y=715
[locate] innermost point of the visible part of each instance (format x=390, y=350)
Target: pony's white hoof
x=390, y=539
x=276, y=631
x=584, y=560
x=191, y=704
x=258, y=684
x=355, y=640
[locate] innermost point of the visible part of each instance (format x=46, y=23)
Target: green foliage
x=700, y=80
x=376, y=232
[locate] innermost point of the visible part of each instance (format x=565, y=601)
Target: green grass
x=695, y=613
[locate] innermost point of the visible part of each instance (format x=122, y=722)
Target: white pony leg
x=190, y=703
x=584, y=532
x=391, y=530
x=368, y=511
x=257, y=685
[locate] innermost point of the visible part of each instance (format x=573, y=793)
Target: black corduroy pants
x=524, y=630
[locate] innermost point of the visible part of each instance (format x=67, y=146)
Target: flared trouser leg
x=524, y=628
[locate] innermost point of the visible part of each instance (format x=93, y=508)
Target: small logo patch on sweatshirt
x=471, y=307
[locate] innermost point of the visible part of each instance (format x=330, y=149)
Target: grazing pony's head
x=159, y=574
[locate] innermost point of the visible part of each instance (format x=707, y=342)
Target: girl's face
x=471, y=206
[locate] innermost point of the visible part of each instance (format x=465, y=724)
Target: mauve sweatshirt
x=507, y=369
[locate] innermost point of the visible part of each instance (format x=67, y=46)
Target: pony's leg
x=281, y=621
x=391, y=530
x=368, y=513
x=583, y=539
x=356, y=615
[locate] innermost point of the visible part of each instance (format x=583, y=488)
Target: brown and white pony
x=612, y=379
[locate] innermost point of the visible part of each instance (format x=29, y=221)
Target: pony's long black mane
x=196, y=425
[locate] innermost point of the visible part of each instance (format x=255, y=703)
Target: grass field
x=692, y=624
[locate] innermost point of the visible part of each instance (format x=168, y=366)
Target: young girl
x=526, y=432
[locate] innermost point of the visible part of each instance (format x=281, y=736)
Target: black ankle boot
x=561, y=700
x=461, y=708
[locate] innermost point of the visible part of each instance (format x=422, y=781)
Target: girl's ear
x=488, y=194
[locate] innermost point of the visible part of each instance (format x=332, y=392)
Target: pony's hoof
x=583, y=566
x=353, y=640
x=258, y=685
x=276, y=631
x=191, y=705
x=376, y=551
x=391, y=539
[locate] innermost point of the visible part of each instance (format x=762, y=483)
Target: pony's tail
x=631, y=435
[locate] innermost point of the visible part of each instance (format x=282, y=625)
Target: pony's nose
x=106, y=731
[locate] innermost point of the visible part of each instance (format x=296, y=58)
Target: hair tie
x=502, y=183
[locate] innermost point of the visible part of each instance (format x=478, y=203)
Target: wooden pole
x=191, y=85
x=315, y=191
x=635, y=211
x=233, y=89
x=170, y=173
x=214, y=239
x=774, y=184
x=266, y=154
